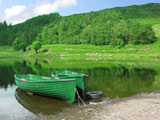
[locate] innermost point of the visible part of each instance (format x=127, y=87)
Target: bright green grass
x=147, y=21
x=156, y=28
x=90, y=51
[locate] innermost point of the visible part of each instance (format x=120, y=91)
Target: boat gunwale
x=26, y=81
x=77, y=75
x=22, y=80
x=71, y=76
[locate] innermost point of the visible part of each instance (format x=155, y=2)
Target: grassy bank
x=88, y=51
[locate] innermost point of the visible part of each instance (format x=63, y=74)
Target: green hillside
x=115, y=26
x=150, y=10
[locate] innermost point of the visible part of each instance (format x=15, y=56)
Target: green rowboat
x=47, y=86
x=66, y=74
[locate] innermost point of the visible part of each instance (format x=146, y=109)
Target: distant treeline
x=105, y=27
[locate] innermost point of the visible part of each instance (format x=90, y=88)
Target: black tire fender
x=95, y=94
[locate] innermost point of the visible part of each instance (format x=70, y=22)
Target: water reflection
x=21, y=67
x=119, y=81
x=10, y=109
x=6, y=76
x=38, y=104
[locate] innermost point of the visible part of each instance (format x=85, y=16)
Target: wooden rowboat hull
x=46, y=86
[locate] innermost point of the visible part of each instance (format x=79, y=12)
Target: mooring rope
x=79, y=98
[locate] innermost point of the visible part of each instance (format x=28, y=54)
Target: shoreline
x=141, y=52
x=141, y=106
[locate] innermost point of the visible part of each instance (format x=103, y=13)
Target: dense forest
x=114, y=26
x=97, y=29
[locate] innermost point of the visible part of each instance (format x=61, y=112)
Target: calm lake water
x=114, y=78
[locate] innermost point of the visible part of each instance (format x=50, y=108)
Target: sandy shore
x=140, y=107
x=143, y=106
